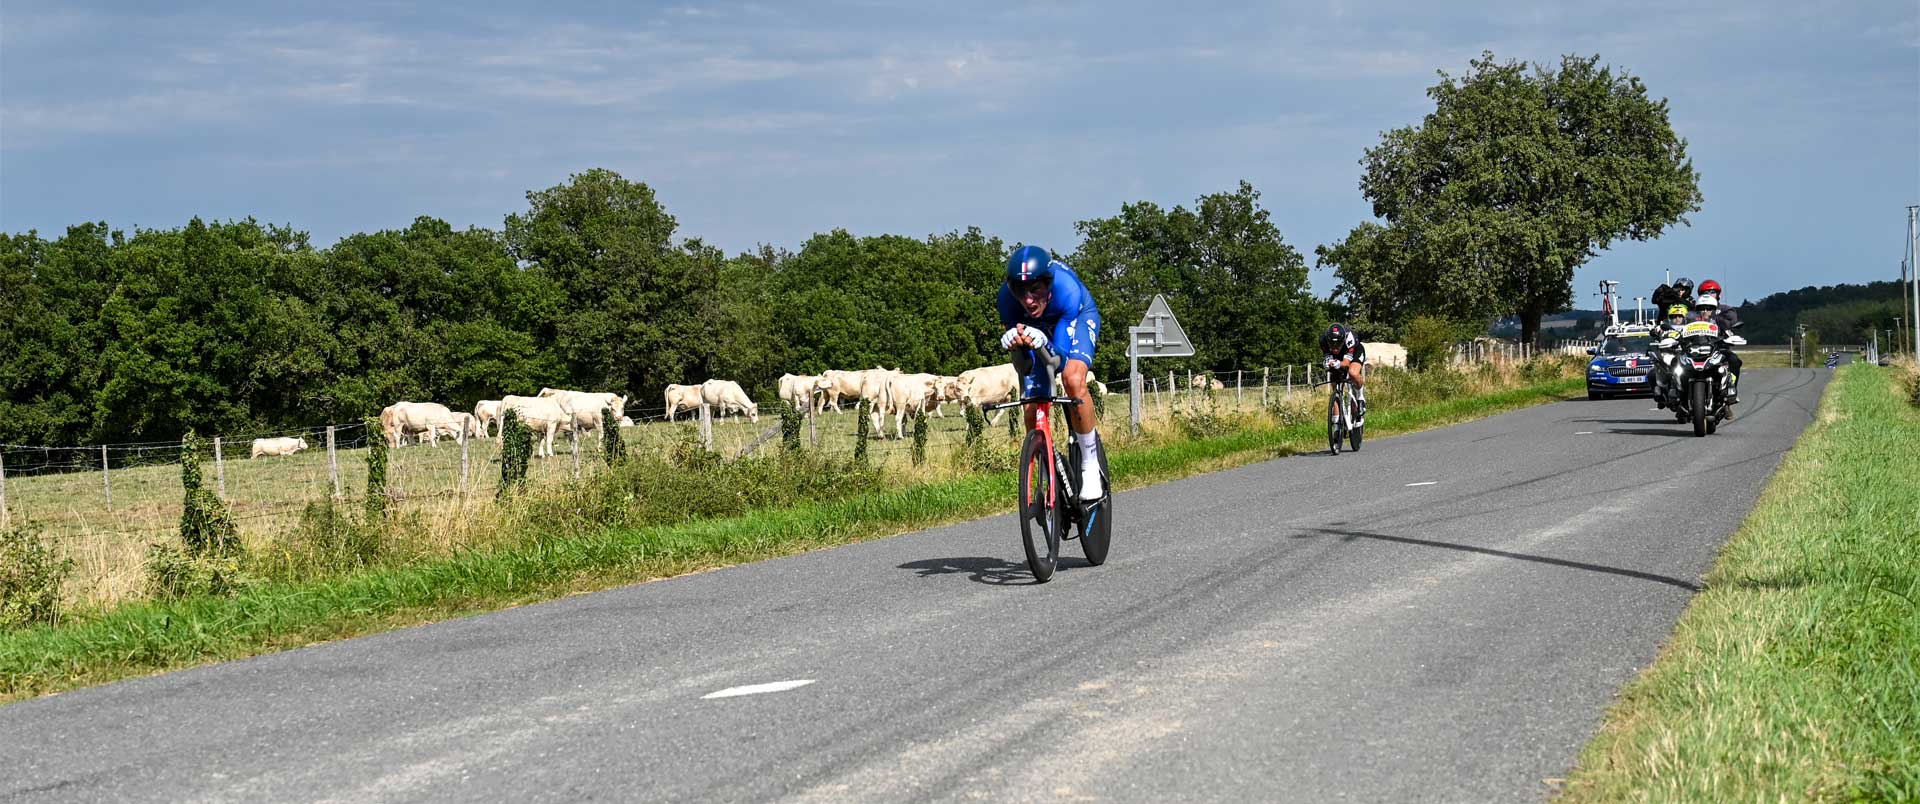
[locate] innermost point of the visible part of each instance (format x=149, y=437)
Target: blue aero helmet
x=1029, y=265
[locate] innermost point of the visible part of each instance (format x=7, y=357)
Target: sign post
x=1158, y=335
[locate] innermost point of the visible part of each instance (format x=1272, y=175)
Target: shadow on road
x=981, y=569
x=1349, y=535
x=1674, y=431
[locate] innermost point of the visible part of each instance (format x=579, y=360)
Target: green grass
x=1795, y=675
x=147, y=636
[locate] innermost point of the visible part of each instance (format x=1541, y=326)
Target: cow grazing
x=486, y=416
x=986, y=386
x=277, y=447
x=585, y=407
x=726, y=396
x=682, y=397
x=841, y=385
x=402, y=419
x=804, y=391
x=543, y=415
x=876, y=389
x=949, y=388
x=911, y=394
x=1204, y=382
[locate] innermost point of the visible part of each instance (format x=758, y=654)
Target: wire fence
x=106, y=502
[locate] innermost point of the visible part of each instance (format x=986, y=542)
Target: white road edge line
x=1424, y=483
x=756, y=689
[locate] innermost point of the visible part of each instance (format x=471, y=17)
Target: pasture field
x=1795, y=675
x=268, y=495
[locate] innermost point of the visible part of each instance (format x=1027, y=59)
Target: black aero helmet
x=1335, y=338
x=1684, y=285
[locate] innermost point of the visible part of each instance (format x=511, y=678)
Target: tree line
x=1519, y=175
x=239, y=326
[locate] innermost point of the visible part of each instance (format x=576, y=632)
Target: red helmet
x=1710, y=286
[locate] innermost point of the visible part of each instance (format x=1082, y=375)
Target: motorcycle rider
x=1707, y=308
x=1665, y=329
x=1680, y=292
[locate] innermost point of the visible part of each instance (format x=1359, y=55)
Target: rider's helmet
x=1684, y=286
x=1707, y=303
x=1710, y=286
x=1029, y=266
x=1334, y=339
x=1676, y=311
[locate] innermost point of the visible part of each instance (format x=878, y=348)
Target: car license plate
x=1633, y=379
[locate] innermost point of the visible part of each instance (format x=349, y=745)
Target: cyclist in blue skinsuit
x=1045, y=307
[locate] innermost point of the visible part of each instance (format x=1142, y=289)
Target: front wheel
x=1042, y=516
x=1698, y=398
x=1335, y=422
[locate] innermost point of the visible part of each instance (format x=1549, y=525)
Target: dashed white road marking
x=1584, y=432
x=756, y=689
x=1424, y=483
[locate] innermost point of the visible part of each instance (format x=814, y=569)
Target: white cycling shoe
x=1090, y=490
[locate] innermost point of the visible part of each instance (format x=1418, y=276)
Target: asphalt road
x=1442, y=616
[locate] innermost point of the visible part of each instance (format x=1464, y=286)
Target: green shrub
x=206, y=526
x=613, y=442
x=791, y=422
x=516, y=449
x=863, y=430
x=31, y=574
x=378, y=495
x=976, y=423
x=655, y=491
x=1204, y=419
x=1427, y=338
x=920, y=438
x=172, y=572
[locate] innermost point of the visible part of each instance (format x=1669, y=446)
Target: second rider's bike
x=1050, y=504
x=1695, y=359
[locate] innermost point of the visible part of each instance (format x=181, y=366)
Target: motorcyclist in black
x=1708, y=309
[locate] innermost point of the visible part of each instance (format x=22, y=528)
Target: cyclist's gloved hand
x=1038, y=338
x=1333, y=363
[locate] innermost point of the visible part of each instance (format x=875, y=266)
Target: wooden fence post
x=3, y=489
x=1266, y=374
x=813, y=428
x=219, y=468
x=1239, y=383
x=573, y=437
x=333, y=463
x=106, y=477
x=706, y=426
x=464, y=471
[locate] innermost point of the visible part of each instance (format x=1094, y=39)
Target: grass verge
x=1796, y=674
x=147, y=637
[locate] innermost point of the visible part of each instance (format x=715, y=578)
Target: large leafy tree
x=1239, y=289
x=1518, y=176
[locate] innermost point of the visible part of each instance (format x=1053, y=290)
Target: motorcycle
x=1695, y=359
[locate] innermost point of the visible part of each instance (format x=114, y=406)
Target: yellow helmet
x=1677, y=309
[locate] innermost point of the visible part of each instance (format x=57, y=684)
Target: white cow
x=876, y=389
x=725, y=396
x=276, y=447
x=1386, y=354
x=841, y=385
x=486, y=415
x=585, y=407
x=461, y=426
x=949, y=388
x=626, y=421
x=911, y=394
x=1202, y=381
x=543, y=415
x=985, y=386
x=402, y=419
x=682, y=397
x=804, y=390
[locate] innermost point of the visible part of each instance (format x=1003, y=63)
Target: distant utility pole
x=1913, y=269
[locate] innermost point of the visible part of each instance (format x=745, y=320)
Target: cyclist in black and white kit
x=1345, y=352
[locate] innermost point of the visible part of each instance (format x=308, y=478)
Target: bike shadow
x=983, y=569
x=1676, y=431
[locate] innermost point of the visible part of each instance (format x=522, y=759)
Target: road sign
x=1159, y=333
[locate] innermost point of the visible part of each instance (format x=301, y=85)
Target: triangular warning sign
x=1159, y=333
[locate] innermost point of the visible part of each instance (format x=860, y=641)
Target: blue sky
x=770, y=122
